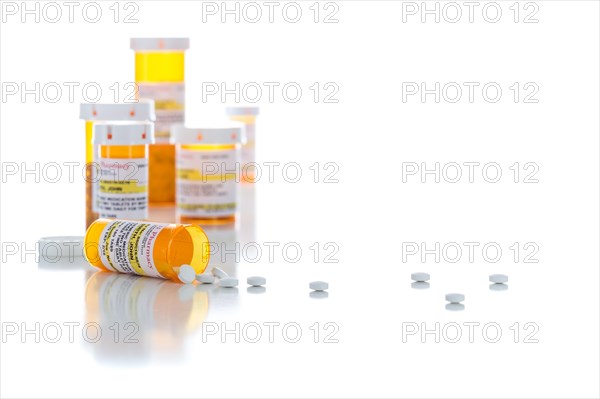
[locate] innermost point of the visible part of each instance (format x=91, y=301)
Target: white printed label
x=122, y=191
x=169, y=103
x=128, y=247
x=207, y=183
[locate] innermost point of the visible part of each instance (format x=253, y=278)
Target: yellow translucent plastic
x=207, y=220
x=161, y=67
x=175, y=245
x=90, y=215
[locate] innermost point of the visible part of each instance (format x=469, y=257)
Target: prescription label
x=122, y=191
x=207, y=182
x=169, y=104
x=128, y=247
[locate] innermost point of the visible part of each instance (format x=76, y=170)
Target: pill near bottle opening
x=186, y=274
x=205, y=278
x=256, y=281
x=219, y=273
x=228, y=282
x=498, y=278
x=455, y=298
x=420, y=276
x=318, y=285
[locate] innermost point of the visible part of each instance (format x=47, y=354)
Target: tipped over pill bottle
x=146, y=249
x=208, y=173
x=122, y=168
x=94, y=113
x=246, y=115
x=160, y=76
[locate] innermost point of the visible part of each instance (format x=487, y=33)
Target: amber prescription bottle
x=122, y=168
x=146, y=249
x=93, y=113
x=208, y=173
x=246, y=115
x=160, y=76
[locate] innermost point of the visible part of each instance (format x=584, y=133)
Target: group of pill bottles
x=141, y=154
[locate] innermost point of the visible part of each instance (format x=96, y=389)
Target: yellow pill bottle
x=121, y=173
x=146, y=249
x=160, y=76
x=246, y=115
x=208, y=173
x=93, y=113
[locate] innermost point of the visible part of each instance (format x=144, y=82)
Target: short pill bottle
x=160, y=76
x=246, y=115
x=146, y=249
x=94, y=113
x=121, y=169
x=208, y=173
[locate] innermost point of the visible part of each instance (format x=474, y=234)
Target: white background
x=369, y=133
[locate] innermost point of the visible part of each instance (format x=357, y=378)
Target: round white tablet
x=228, y=282
x=186, y=274
x=205, y=278
x=318, y=285
x=219, y=273
x=420, y=276
x=498, y=278
x=256, y=281
x=455, y=298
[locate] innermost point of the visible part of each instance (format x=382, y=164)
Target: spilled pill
x=498, y=278
x=455, y=298
x=228, y=282
x=318, y=285
x=256, y=281
x=420, y=276
x=186, y=274
x=219, y=273
x=205, y=278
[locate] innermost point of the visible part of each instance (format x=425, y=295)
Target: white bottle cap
x=159, y=43
x=123, y=133
x=242, y=110
x=142, y=110
x=225, y=134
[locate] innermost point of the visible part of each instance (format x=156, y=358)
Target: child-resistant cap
x=226, y=134
x=159, y=43
x=241, y=110
x=139, y=111
x=123, y=133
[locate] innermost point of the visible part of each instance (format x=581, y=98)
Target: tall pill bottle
x=93, y=113
x=208, y=173
x=160, y=76
x=246, y=115
x=122, y=168
x=146, y=249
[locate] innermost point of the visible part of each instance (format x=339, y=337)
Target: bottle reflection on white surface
x=141, y=316
x=248, y=213
x=225, y=248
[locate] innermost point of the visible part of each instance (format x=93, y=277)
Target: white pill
x=186, y=274
x=318, y=285
x=219, y=273
x=498, y=278
x=319, y=294
x=205, y=278
x=420, y=276
x=256, y=281
x=455, y=298
x=228, y=282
